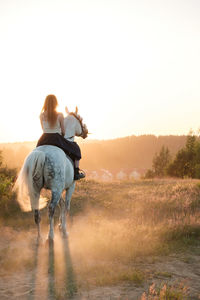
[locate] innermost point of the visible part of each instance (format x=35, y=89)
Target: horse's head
x=79, y=127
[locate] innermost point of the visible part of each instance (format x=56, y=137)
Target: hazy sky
x=132, y=67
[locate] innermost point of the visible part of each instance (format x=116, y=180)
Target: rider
x=52, y=124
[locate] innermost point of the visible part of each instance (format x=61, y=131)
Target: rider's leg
x=76, y=163
x=77, y=174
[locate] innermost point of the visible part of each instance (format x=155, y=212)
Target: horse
x=50, y=168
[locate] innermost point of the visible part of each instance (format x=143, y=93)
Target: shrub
x=7, y=201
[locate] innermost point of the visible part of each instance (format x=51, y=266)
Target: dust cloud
x=113, y=229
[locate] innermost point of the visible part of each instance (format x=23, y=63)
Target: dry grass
x=166, y=292
x=115, y=228
x=118, y=224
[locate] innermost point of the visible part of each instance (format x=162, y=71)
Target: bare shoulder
x=41, y=116
x=60, y=116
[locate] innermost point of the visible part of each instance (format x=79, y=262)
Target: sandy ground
x=175, y=270
x=31, y=271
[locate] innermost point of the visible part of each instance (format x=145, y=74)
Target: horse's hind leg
x=68, y=196
x=37, y=221
x=62, y=225
x=65, y=207
x=54, y=201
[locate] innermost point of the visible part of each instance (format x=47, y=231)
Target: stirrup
x=81, y=174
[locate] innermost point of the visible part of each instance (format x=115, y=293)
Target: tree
x=181, y=166
x=161, y=161
x=187, y=160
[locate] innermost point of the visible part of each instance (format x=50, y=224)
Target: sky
x=132, y=67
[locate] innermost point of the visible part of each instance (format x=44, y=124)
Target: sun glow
x=129, y=67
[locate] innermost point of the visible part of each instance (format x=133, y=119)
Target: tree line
x=185, y=164
x=122, y=153
x=128, y=152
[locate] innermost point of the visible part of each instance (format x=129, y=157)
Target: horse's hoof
x=39, y=240
x=60, y=227
x=49, y=242
x=65, y=235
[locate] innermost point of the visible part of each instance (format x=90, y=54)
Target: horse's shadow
x=51, y=270
x=36, y=247
x=69, y=285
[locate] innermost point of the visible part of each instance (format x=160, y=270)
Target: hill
x=122, y=153
x=128, y=152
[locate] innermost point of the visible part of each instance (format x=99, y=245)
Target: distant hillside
x=127, y=152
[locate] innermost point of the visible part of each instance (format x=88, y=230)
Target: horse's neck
x=70, y=127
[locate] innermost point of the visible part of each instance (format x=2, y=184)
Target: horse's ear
x=66, y=109
x=76, y=111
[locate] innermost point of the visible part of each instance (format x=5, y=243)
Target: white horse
x=48, y=167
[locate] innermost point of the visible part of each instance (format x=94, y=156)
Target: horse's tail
x=30, y=181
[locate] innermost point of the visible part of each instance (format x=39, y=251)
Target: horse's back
x=58, y=168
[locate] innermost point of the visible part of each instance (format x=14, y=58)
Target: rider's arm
x=61, y=120
x=41, y=118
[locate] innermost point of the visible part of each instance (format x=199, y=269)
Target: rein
x=83, y=126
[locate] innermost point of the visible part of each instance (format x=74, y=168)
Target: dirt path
x=31, y=271
x=180, y=271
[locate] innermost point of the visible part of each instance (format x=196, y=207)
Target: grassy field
x=142, y=236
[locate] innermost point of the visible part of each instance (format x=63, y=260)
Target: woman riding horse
x=52, y=124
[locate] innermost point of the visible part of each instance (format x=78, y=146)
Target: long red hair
x=49, y=107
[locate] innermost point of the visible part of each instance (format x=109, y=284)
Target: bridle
x=84, y=129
